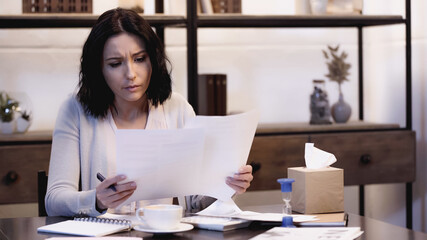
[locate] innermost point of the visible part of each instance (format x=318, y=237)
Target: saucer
x=182, y=227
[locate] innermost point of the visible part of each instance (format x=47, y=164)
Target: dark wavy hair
x=94, y=94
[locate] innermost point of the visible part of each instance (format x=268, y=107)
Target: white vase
x=22, y=125
x=341, y=111
x=8, y=127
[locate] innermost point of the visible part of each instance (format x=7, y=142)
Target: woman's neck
x=130, y=115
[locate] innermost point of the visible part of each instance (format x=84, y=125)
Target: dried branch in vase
x=337, y=65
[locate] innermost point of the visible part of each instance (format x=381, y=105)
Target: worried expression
x=126, y=67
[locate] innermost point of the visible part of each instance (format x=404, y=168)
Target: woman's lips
x=132, y=88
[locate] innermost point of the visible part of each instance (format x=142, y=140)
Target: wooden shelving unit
x=194, y=22
x=359, y=166
x=369, y=152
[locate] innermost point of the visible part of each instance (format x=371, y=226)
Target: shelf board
x=214, y=20
x=263, y=129
x=302, y=127
x=238, y=20
x=31, y=136
x=77, y=20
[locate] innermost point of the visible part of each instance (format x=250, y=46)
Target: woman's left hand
x=241, y=180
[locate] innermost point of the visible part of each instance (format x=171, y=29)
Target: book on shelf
x=345, y=7
x=206, y=6
x=221, y=94
x=87, y=226
x=212, y=94
x=206, y=94
x=227, y=6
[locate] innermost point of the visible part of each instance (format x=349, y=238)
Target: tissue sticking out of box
x=316, y=158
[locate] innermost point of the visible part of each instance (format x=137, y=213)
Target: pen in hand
x=102, y=178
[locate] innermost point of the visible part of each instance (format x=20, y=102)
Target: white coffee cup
x=160, y=216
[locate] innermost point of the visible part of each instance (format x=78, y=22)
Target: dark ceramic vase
x=341, y=111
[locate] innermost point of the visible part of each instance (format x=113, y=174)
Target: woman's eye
x=115, y=64
x=140, y=59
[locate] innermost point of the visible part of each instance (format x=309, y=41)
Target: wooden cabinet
x=372, y=157
x=366, y=157
x=21, y=157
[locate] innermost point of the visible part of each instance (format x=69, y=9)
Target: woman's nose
x=130, y=72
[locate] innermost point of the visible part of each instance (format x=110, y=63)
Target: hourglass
x=286, y=187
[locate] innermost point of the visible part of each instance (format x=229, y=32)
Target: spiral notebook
x=87, y=226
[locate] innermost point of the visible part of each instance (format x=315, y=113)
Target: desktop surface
x=26, y=228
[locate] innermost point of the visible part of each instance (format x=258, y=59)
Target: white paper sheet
x=189, y=161
x=230, y=209
x=227, y=145
x=338, y=233
x=162, y=162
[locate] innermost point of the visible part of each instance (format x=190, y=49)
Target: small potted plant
x=8, y=107
x=23, y=122
x=338, y=72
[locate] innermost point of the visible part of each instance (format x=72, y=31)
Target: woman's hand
x=108, y=198
x=241, y=180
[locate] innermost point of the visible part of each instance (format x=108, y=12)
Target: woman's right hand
x=108, y=198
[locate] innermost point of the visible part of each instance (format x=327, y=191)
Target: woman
x=124, y=84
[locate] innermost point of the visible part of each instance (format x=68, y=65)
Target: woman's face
x=126, y=67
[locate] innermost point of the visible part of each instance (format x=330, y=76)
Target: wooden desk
x=26, y=228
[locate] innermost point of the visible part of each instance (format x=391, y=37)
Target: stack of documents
x=216, y=223
x=327, y=220
x=229, y=209
x=338, y=233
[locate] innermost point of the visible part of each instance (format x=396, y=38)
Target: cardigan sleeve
x=196, y=203
x=63, y=197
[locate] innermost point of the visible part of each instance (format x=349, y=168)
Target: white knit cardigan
x=83, y=145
